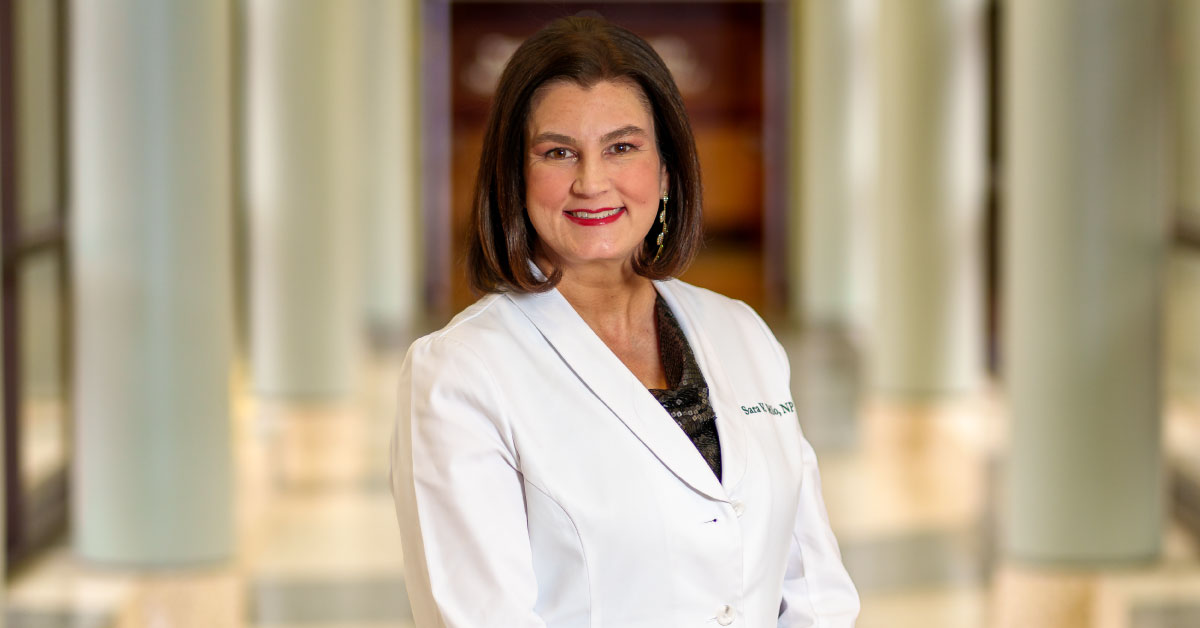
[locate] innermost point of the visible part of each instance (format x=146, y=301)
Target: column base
x=1036, y=597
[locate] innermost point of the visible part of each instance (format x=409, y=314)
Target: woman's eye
x=622, y=148
x=558, y=153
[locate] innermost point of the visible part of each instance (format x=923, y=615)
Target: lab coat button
x=739, y=508
x=725, y=615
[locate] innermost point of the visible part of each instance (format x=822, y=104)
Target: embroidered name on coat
x=763, y=407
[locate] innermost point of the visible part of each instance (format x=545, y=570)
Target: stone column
x=835, y=148
x=1183, y=335
x=6, y=48
x=8, y=111
x=836, y=154
x=1185, y=41
x=928, y=331
x=151, y=251
x=388, y=106
x=1086, y=148
x=304, y=204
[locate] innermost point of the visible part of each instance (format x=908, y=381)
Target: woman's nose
x=590, y=178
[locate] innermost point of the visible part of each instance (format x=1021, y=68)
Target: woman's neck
x=616, y=302
x=618, y=305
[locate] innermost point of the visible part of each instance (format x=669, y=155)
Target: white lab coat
x=538, y=483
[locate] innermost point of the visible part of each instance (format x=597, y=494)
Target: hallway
x=973, y=225
x=910, y=490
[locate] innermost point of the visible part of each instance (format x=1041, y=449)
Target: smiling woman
x=592, y=200
x=575, y=449
x=563, y=76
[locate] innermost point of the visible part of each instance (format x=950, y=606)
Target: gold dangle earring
x=662, y=219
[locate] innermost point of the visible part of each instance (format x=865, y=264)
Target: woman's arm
x=458, y=494
x=817, y=591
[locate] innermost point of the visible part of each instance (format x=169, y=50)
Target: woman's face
x=593, y=175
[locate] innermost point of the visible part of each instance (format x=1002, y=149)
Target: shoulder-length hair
x=585, y=51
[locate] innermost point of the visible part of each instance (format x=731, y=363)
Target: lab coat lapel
x=609, y=379
x=720, y=392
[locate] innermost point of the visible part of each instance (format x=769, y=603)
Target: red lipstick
x=594, y=217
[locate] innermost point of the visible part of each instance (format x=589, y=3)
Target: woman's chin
x=598, y=261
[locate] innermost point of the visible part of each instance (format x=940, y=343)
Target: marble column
x=836, y=151
x=834, y=144
x=1183, y=334
x=1185, y=41
x=928, y=305
x=151, y=250
x=388, y=107
x=1088, y=187
x=304, y=204
x=6, y=49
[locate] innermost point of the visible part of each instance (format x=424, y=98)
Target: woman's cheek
x=549, y=182
x=642, y=178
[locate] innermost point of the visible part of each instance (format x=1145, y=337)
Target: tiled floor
x=911, y=490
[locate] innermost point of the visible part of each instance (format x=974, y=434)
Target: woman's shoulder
x=480, y=328
x=705, y=303
x=726, y=321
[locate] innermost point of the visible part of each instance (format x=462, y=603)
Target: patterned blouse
x=687, y=398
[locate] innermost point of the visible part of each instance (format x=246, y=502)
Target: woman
x=539, y=468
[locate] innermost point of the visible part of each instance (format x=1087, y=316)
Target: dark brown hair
x=585, y=51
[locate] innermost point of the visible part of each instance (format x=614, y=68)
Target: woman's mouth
x=592, y=217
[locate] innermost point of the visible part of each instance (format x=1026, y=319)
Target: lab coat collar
x=609, y=379
x=720, y=391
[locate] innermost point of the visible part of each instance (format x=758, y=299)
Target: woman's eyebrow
x=559, y=138
x=628, y=129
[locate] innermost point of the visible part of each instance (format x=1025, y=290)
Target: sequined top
x=687, y=398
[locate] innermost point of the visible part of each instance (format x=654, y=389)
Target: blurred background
x=974, y=224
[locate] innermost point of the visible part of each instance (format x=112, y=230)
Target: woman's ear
x=665, y=177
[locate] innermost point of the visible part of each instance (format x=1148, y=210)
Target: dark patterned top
x=687, y=398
